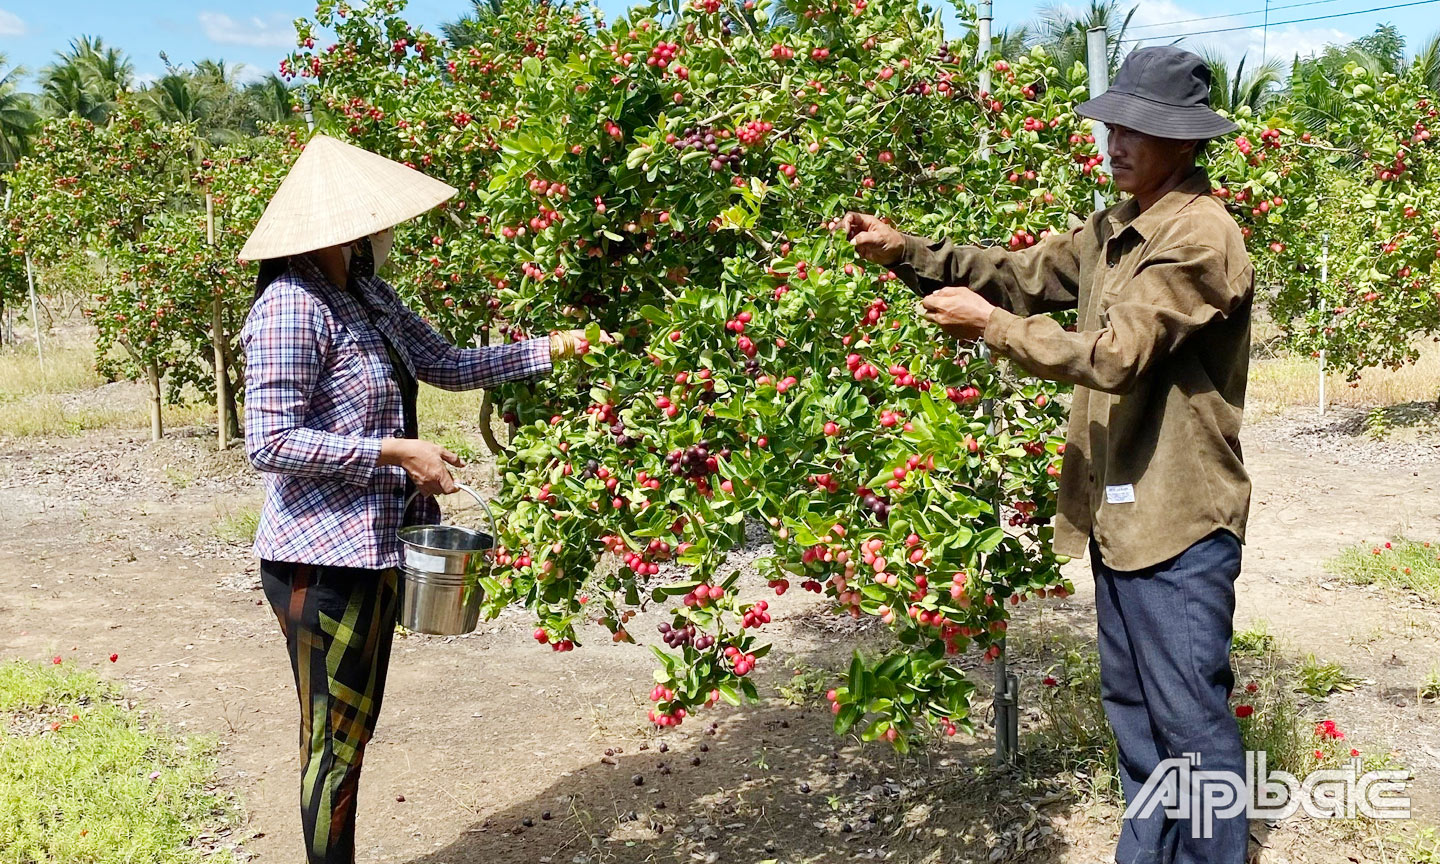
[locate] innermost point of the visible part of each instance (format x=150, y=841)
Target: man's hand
x=959, y=311
x=873, y=239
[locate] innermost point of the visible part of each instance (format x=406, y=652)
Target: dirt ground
x=493, y=750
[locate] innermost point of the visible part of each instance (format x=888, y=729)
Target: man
x=1152, y=478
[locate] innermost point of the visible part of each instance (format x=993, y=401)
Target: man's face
x=1141, y=162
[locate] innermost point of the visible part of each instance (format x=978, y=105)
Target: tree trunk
x=157, y=421
x=232, y=411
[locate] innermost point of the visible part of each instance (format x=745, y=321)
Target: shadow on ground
x=773, y=783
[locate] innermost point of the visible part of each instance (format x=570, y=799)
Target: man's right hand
x=873, y=239
x=427, y=464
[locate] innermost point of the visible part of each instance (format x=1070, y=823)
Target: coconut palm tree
x=17, y=117
x=110, y=71
x=64, y=91
x=1010, y=43
x=465, y=30
x=1231, y=89
x=1062, y=31
x=86, y=80
x=1427, y=61
x=272, y=99
x=178, y=98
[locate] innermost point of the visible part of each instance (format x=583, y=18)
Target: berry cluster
x=756, y=615
x=753, y=133
x=826, y=482
x=662, y=54
x=962, y=395
x=694, y=461
x=1025, y=514
x=704, y=595
x=546, y=189
x=860, y=369
x=741, y=662
x=737, y=324
x=875, y=504
x=677, y=637
x=622, y=439
x=781, y=52
x=694, y=139
x=543, y=638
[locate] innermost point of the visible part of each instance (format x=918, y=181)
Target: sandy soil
x=493, y=750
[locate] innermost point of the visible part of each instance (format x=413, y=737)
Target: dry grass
x=1286, y=381
x=62, y=396
x=69, y=366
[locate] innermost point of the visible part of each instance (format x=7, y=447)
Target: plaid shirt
x=319, y=398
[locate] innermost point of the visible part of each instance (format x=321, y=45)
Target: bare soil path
x=492, y=750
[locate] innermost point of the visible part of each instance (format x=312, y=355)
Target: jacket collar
x=1127, y=213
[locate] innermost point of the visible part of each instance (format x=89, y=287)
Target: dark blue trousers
x=1165, y=680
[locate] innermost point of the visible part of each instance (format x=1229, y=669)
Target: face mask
x=365, y=266
x=380, y=244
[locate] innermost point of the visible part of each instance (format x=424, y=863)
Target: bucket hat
x=335, y=193
x=1162, y=91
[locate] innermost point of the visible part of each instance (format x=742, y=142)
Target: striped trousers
x=339, y=624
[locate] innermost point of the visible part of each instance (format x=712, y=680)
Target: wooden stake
x=35, y=317
x=217, y=338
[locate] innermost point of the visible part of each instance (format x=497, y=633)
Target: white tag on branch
x=1120, y=494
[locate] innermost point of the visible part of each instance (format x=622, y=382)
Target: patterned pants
x=338, y=623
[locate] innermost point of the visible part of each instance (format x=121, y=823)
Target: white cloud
x=145, y=79
x=275, y=32
x=1154, y=18
x=10, y=24
x=247, y=74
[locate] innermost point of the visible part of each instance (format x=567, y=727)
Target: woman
x=333, y=357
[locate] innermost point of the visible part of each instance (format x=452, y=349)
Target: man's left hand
x=959, y=311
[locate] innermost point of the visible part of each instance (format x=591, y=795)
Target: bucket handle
x=494, y=531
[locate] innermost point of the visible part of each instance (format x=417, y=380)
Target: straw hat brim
x=335, y=193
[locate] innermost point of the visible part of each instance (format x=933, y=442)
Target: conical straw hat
x=335, y=193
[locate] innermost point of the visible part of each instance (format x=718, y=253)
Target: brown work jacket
x=1152, y=459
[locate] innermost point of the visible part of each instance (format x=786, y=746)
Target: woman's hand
x=572, y=343
x=427, y=464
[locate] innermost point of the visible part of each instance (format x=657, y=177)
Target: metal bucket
x=440, y=589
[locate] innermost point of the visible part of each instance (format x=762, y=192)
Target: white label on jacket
x=1120, y=494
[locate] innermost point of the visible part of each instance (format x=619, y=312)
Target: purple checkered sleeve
x=441, y=364
x=286, y=341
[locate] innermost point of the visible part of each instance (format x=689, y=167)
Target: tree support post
x=985, y=14
x=1097, y=57
x=1324, y=307
x=35, y=316
x=217, y=339
x=157, y=401
x=1006, y=699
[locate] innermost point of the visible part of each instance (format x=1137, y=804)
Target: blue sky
x=258, y=33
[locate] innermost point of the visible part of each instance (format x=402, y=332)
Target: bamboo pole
x=217, y=339
x=35, y=316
